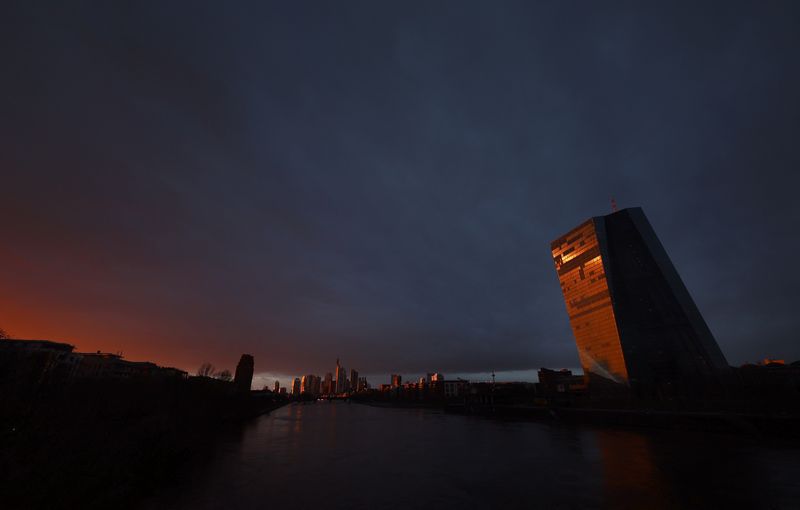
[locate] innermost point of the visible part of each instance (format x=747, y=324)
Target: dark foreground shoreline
x=110, y=445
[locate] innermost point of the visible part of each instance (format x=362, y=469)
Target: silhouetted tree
x=206, y=370
x=3, y=334
x=224, y=375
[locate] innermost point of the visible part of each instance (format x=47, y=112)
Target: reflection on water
x=339, y=455
x=630, y=479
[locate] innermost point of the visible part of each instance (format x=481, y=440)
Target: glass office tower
x=635, y=324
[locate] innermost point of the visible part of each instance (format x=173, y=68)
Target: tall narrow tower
x=244, y=373
x=635, y=324
x=341, y=378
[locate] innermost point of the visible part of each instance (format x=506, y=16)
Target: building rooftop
x=36, y=344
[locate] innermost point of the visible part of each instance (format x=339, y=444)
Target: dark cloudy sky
x=187, y=181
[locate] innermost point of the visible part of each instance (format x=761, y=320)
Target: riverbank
x=752, y=424
x=109, y=444
x=770, y=425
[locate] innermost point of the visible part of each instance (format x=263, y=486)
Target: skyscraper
x=277, y=387
x=353, y=380
x=327, y=384
x=635, y=324
x=305, y=383
x=397, y=380
x=243, y=379
x=341, y=378
x=310, y=384
x=296, y=386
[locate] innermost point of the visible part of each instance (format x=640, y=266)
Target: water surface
x=341, y=455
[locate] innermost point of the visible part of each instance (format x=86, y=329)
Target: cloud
x=383, y=185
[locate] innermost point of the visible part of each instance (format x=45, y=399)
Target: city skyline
x=397, y=255
x=298, y=194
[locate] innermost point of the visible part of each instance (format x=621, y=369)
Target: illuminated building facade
x=635, y=324
x=310, y=384
x=306, y=383
x=341, y=378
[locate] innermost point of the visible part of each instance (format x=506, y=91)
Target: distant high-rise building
x=277, y=387
x=635, y=324
x=353, y=380
x=362, y=384
x=296, y=386
x=243, y=379
x=327, y=384
x=397, y=380
x=341, y=378
x=306, y=383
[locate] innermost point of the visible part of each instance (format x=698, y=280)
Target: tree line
x=208, y=370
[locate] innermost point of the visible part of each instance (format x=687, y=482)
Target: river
x=340, y=455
